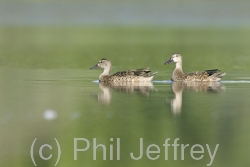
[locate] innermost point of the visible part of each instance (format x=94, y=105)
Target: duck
x=139, y=75
x=213, y=75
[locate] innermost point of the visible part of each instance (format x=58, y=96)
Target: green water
x=47, y=92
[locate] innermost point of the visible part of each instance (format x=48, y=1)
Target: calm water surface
x=66, y=104
x=54, y=113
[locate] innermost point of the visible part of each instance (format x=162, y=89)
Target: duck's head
x=103, y=63
x=174, y=58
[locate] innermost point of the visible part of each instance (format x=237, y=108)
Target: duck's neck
x=106, y=72
x=178, y=67
x=178, y=73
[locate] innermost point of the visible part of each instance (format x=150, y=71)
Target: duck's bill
x=169, y=61
x=94, y=67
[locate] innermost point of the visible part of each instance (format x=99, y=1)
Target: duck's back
x=130, y=75
x=205, y=76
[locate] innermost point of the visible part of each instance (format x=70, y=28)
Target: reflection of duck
x=214, y=87
x=106, y=96
x=176, y=103
x=178, y=87
x=126, y=87
x=201, y=76
x=129, y=75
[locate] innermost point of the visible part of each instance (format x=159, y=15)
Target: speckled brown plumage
x=199, y=76
x=138, y=75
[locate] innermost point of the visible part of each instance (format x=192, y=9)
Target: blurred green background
x=76, y=34
x=46, y=49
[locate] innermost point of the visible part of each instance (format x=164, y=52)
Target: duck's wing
x=209, y=75
x=211, y=72
x=143, y=72
x=215, y=73
x=138, y=72
x=206, y=73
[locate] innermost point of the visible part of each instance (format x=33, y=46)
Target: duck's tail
x=220, y=74
x=153, y=74
x=216, y=73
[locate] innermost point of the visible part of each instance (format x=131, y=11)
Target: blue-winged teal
x=201, y=76
x=138, y=75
